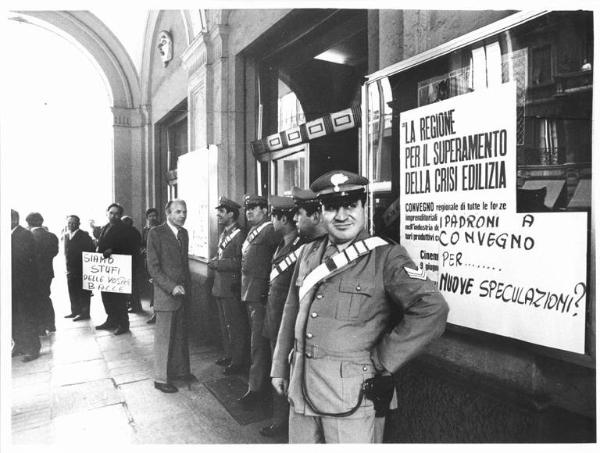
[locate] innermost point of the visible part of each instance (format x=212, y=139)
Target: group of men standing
x=315, y=300
x=33, y=251
x=252, y=274
x=307, y=299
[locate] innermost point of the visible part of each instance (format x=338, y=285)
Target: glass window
x=290, y=113
x=290, y=170
x=550, y=59
x=449, y=194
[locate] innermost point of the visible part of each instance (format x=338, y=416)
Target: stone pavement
x=93, y=387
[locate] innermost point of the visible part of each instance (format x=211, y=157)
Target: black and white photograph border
x=137, y=105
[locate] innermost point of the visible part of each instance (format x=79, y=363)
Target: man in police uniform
x=226, y=287
x=336, y=327
x=283, y=211
x=308, y=215
x=257, y=252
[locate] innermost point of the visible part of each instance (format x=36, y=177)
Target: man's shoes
x=72, y=315
x=232, y=369
x=250, y=399
x=135, y=310
x=29, y=357
x=165, y=387
x=274, y=430
x=105, y=326
x=121, y=330
x=223, y=361
x=42, y=332
x=81, y=318
x=152, y=320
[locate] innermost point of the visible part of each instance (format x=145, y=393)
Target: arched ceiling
x=89, y=32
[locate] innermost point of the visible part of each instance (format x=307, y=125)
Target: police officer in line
x=337, y=345
x=283, y=211
x=257, y=252
x=308, y=215
x=226, y=288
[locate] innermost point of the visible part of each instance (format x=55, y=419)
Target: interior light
x=333, y=56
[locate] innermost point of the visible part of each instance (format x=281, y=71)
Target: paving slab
x=108, y=425
x=88, y=383
x=76, y=373
x=76, y=398
x=38, y=435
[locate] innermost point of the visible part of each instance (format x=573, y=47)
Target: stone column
x=222, y=116
x=128, y=171
x=391, y=37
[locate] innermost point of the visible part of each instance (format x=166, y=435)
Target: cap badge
x=337, y=179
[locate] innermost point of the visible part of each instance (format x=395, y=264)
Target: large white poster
x=112, y=274
x=193, y=188
x=521, y=275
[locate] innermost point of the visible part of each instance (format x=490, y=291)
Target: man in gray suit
x=168, y=266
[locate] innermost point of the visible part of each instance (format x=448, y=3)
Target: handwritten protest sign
x=111, y=274
x=514, y=274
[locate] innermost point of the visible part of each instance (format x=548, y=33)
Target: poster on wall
x=520, y=275
x=193, y=188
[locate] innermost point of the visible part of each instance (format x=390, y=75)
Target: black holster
x=380, y=390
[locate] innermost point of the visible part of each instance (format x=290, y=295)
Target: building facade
x=231, y=102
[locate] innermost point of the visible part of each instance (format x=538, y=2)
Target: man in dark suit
x=46, y=248
x=257, y=252
x=76, y=242
x=24, y=291
x=226, y=288
x=117, y=238
x=168, y=266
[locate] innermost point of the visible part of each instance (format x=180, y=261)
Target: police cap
x=303, y=197
x=339, y=184
x=252, y=200
x=282, y=204
x=227, y=203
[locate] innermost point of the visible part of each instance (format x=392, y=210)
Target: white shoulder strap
x=285, y=263
x=338, y=261
x=227, y=240
x=252, y=235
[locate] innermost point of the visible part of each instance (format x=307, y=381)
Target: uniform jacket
x=349, y=334
x=256, y=264
x=278, y=290
x=46, y=248
x=228, y=268
x=168, y=266
x=24, y=270
x=81, y=242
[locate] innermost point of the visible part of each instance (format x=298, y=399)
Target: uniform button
x=309, y=335
x=313, y=314
x=357, y=287
x=319, y=296
x=308, y=355
x=365, y=368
